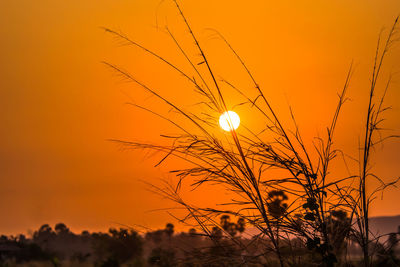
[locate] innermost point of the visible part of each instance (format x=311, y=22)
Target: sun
x=229, y=121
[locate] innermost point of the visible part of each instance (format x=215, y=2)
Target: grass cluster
x=326, y=215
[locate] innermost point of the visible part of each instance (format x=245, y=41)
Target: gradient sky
x=59, y=104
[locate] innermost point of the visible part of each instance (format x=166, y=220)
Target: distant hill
x=385, y=224
x=379, y=225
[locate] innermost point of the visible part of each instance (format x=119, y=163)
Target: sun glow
x=229, y=121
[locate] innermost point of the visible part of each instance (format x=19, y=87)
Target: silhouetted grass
x=304, y=204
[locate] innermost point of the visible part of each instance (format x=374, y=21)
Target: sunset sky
x=60, y=105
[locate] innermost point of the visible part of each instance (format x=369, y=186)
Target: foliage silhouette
x=308, y=202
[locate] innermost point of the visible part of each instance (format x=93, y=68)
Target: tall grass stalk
x=373, y=123
x=304, y=203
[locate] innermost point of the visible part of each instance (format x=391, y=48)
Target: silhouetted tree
x=44, y=236
x=216, y=233
x=117, y=246
x=338, y=228
x=61, y=228
x=227, y=225
x=241, y=225
x=155, y=236
x=169, y=229
x=230, y=227
x=44, y=232
x=275, y=203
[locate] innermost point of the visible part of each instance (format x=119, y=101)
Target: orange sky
x=59, y=104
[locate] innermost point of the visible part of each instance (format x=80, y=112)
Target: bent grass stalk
x=240, y=163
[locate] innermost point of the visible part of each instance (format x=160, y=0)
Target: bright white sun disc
x=229, y=121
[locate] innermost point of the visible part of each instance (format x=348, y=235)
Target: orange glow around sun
x=60, y=106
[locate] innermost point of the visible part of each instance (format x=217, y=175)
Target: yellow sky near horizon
x=60, y=105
